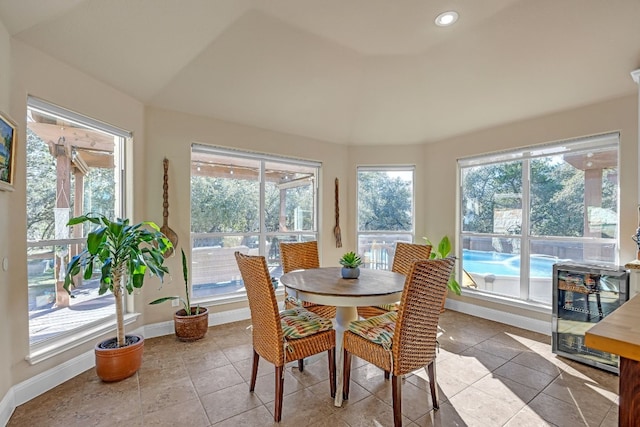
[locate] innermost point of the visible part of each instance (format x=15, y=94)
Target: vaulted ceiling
x=346, y=71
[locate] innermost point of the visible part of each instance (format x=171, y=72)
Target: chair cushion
x=299, y=323
x=299, y=303
x=388, y=307
x=377, y=329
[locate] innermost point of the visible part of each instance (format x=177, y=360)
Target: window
x=75, y=165
x=525, y=210
x=385, y=213
x=249, y=203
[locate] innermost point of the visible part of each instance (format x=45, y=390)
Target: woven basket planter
x=191, y=328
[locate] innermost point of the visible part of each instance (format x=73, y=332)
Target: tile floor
x=489, y=374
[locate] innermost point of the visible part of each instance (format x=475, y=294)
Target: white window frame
x=409, y=236
x=90, y=331
x=526, y=154
x=262, y=233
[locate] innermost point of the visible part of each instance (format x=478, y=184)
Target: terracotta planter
x=191, y=328
x=117, y=363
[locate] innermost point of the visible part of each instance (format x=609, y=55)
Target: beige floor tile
x=370, y=411
x=448, y=385
x=266, y=387
x=528, y=418
x=229, y=402
x=259, y=416
x=488, y=360
x=505, y=389
x=502, y=346
x=447, y=416
x=611, y=419
x=370, y=377
x=197, y=363
x=467, y=369
x=216, y=379
x=190, y=413
x=158, y=396
x=301, y=408
x=316, y=369
x=524, y=375
x=589, y=398
x=322, y=392
x=560, y=413
x=356, y=393
x=486, y=407
x=238, y=352
x=245, y=366
x=416, y=399
x=486, y=373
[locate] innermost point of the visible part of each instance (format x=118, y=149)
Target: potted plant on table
x=124, y=254
x=190, y=323
x=350, y=265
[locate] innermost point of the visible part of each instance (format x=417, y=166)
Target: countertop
x=619, y=332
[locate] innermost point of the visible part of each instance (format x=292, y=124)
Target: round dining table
x=326, y=286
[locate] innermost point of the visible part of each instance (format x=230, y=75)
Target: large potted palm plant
x=124, y=255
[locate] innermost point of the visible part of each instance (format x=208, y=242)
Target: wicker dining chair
x=403, y=341
x=303, y=256
x=405, y=255
x=282, y=337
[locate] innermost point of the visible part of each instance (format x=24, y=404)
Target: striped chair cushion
x=299, y=323
x=389, y=307
x=377, y=329
x=299, y=303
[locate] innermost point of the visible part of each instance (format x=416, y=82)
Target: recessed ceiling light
x=446, y=18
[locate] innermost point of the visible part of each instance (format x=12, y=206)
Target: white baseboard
x=45, y=381
x=7, y=406
x=523, y=322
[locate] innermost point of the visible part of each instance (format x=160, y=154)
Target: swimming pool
x=500, y=264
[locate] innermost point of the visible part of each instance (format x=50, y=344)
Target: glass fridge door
x=584, y=295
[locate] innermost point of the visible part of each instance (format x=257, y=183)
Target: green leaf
x=444, y=247
x=94, y=240
x=163, y=299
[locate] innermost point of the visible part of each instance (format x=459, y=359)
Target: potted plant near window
x=190, y=323
x=442, y=251
x=124, y=255
x=350, y=265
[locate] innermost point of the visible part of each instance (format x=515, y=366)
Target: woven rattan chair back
x=265, y=318
x=303, y=256
x=414, y=339
x=406, y=254
x=404, y=257
x=413, y=345
x=299, y=256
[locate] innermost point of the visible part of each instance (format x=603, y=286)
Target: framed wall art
x=7, y=152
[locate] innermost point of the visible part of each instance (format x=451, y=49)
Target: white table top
x=326, y=286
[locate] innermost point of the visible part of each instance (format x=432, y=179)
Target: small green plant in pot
x=442, y=251
x=190, y=323
x=123, y=254
x=350, y=265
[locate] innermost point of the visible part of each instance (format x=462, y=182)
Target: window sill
x=47, y=349
x=504, y=300
x=230, y=299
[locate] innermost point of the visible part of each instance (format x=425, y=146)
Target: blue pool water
x=481, y=262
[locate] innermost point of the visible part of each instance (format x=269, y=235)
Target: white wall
x=6, y=201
